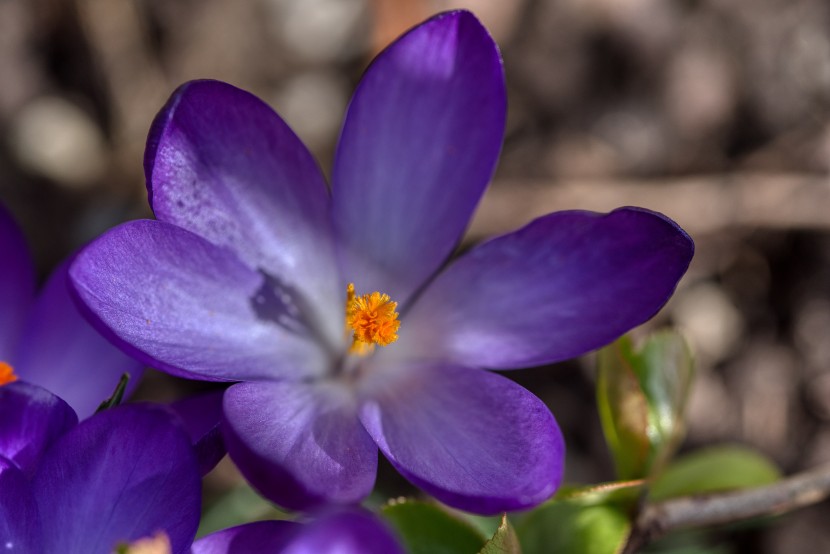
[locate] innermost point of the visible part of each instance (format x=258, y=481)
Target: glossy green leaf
x=574, y=527
x=714, y=469
x=642, y=396
x=427, y=528
x=503, y=541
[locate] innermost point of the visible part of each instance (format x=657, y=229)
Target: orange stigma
x=372, y=319
x=6, y=374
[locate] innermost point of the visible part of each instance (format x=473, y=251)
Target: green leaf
x=504, y=541
x=623, y=494
x=718, y=468
x=240, y=505
x=428, y=529
x=117, y=395
x=574, y=527
x=641, y=395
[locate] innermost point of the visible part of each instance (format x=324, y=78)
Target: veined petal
x=17, y=284
x=64, y=354
x=345, y=531
x=565, y=284
x=259, y=536
x=184, y=305
x=31, y=419
x=20, y=530
x=221, y=163
x=471, y=438
x=419, y=145
x=301, y=445
x=122, y=475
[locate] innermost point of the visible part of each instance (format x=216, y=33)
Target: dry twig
x=660, y=518
x=700, y=204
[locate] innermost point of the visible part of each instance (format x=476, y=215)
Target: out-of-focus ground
x=714, y=112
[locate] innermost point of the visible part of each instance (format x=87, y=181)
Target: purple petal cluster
x=44, y=337
x=344, y=531
x=243, y=277
x=120, y=476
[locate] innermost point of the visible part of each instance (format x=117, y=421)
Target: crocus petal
x=17, y=284
x=201, y=415
x=419, y=144
x=189, y=307
x=31, y=419
x=221, y=163
x=299, y=444
x=345, y=531
x=471, y=438
x=565, y=284
x=63, y=353
x=120, y=476
x=260, y=536
x=20, y=531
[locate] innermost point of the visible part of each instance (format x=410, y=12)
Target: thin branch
x=701, y=204
x=797, y=491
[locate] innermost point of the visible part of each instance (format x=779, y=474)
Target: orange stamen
x=372, y=319
x=6, y=374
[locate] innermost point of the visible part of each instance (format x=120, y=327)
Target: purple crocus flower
x=338, y=313
x=45, y=340
x=31, y=419
x=124, y=475
x=343, y=531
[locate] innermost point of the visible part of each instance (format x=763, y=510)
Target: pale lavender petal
x=563, y=285
x=201, y=415
x=31, y=419
x=221, y=163
x=188, y=307
x=64, y=354
x=471, y=438
x=418, y=147
x=124, y=474
x=261, y=536
x=300, y=444
x=345, y=531
x=20, y=530
x=17, y=284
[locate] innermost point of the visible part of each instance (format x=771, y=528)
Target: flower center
x=157, y=544
x=372, y=319
x=6, y=374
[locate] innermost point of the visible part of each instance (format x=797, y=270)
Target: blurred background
x=714, y=112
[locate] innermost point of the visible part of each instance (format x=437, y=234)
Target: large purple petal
x=221, y=163
x=201, y=415
x=299, y=444
x=31, y=419
x=17, y=284
x=346, y=531
x=418, y=147
x=20, y=530
x=122, y=475
x=260, y=536
x=471, y=438
x=565, y=284
x=63, y=353
x=184, y=305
